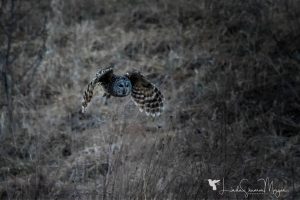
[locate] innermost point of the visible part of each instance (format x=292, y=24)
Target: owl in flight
x=143, y=93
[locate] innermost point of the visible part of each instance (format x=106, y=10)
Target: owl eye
x=121, y=85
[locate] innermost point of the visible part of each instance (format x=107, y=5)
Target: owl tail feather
x=88, y=94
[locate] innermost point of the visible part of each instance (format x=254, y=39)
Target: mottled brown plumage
x=145, y=94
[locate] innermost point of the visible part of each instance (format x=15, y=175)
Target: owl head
x=122, y=86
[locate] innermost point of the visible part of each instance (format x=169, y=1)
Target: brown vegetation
x=229, y=71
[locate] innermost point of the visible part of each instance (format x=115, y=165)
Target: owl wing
x=145, y=95
x=102, y=76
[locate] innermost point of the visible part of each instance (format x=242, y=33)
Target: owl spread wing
x=102, y=76
x=145, y=95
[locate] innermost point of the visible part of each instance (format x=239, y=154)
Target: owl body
x=144, y=94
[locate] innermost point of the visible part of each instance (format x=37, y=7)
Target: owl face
x=122, y=87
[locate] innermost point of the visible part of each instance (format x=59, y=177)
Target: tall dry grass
x=229, y=71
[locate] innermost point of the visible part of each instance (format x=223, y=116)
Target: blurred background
x=229, y=71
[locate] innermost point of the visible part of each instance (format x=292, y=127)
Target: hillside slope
x=229, y=71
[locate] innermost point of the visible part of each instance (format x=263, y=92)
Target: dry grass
x=229, y=71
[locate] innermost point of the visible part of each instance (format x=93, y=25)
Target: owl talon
x=83, y=109
x=106, y=96
x=105, y=102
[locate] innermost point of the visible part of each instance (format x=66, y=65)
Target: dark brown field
x=229, y=71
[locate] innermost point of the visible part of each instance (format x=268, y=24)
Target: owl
x=143, y=93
